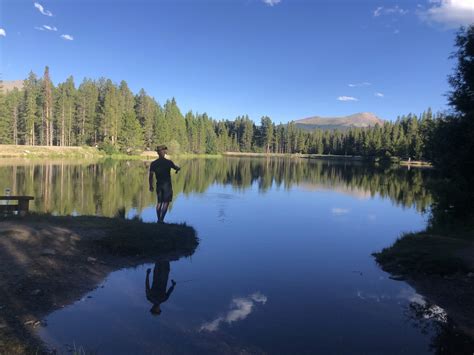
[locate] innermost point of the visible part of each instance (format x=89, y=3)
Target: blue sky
x=287, y=59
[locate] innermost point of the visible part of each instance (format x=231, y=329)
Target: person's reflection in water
x=157, y=293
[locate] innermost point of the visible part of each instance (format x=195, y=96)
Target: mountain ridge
x=8, y=85
x=356, y=120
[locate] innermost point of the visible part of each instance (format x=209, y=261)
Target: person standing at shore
x=161, y=168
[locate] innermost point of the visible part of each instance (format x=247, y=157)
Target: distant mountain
x=360, y=120
x=10, y=85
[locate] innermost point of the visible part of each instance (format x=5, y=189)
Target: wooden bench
x=22, y=206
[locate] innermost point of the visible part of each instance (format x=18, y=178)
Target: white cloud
x=271, y=2
x=240, y=309
x=3, y=33
x=379, y=94
x=450, y=13
x=46, y=28
x=396, y=10
x=50, y=28
x=42, y=10
x=378, y=11
x=365, y=83
x=347, y=98
x=67, y=37
x=339, y=211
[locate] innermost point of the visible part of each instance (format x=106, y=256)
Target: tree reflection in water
x=103, y=188
x=447, y=338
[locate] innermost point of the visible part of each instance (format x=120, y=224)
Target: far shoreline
x=86, y=152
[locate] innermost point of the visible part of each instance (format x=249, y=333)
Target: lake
x=284, y=263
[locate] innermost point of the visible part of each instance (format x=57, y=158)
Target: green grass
x=125, y=237
x=192, y=156
x=148, y=239
x=423, y=253
x=119, y=156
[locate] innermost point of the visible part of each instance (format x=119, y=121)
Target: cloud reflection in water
x=339, y=211
x=240, y=309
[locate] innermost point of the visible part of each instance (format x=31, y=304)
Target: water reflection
x=299, y=257
x=241, y=307
x=157, y=293
x=102, y=188
x=447, y=338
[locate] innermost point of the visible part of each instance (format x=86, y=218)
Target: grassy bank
x=394, y=160
x=440, y=267
x=48, y=262
x=84, y=152
x=422, y=253
x=29, y=151
x=295, y=155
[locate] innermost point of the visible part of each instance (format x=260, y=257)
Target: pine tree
x=12, y=102
x=267, y=133
x=129, y=133
x=110, y=115
x=175, y=123
x=5, y=119
x=29, y=109
x=246, y=135
x=87, y=101
x=145, y=111
x=47, y=114
x=461, y=97
x=161, y=128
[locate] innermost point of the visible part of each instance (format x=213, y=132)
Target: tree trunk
x=51, y=130
x=83, y=121
x=43, y=130
x=63, y=136
x=15, y=124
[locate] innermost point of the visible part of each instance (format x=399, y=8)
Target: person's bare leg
x=164, y=209
x=159, y=207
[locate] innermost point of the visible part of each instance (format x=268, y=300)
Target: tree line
x=110, y=116
x=101, y=113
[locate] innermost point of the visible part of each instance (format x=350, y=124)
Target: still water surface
x=284, y=263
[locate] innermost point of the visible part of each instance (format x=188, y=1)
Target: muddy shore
x=47, y=263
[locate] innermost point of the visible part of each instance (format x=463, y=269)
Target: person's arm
x=150, y=180
x=174, y=166
x=147, y=281
x=170, y=291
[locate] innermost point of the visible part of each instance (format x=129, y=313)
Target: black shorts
x=164, y=192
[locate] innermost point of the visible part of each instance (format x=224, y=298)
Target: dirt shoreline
x=47, y=263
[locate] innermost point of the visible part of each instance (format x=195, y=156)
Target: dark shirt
x=162, y=167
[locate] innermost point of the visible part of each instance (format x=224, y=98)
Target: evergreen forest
x=110, y=116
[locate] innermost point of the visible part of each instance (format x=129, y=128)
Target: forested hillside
x=102, y=113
